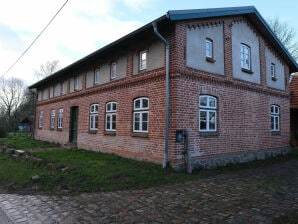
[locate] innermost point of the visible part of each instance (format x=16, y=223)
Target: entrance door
x=73, y=132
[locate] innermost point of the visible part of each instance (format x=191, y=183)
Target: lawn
x=64, y=170
x=73, y=171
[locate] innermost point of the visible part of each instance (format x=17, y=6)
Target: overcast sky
x=85, y=26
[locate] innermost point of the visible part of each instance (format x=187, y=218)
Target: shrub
x=3, y=132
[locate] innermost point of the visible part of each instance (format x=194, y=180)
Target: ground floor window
x=40, y=119
x=275, y=118
x=208, y=114
x=140, y=114
x=60, y=118
x=94, y=117
x=111, y=112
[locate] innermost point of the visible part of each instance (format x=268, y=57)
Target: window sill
x=140, y=135
x=274, y=133
x=110, y=133
x=59, y=129
x=273, y=78
x=247, y=70
x=209, y=134
x=92, y=131
x=211, y=60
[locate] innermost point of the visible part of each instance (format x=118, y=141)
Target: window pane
x=272, y=122
x=114, y=106
x=203, y=101
x=145, y=117
x=145, y=103
x=108, y=107
x=137, y=104
x=144, y=126
x=212, y=102
x=91, y=122
x=203, y=117
x=108, y=122
x=212, y=120
x=137, y=121
x=96, y=121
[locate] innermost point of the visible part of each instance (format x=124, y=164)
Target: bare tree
x=47, y=69
x=286, y=35
x=11, y=95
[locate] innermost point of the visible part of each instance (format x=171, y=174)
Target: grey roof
x=178, y=15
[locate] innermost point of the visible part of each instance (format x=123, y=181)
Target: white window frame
x=209, y=110
x=143, y=60
x=113, y=70
x=275, y=118
x=40, y=119
x=245, y=57
x=96, y=76
x=52, y=119
x=93, y=118
x=141, y=111
x=111, y=116
x=76, y=83
x=60, y=118
x=209, y=48
x=273, y=71
x=62, y=88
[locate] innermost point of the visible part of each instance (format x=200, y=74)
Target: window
x=113, y=70
x=40, y=119
x=140, y=114
x=272, y=71
x=275, y=114
x=61, y=88
x=52, y=119
x=208, y=113
x=96, y=76
x=76, y=83
x=60, y=118
x=143, y=60
x=209, y=48
x=245, y=57
x=94, y=117
x=111, y=111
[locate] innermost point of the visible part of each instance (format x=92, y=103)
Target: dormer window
x=245, y=58
x=209, y=50
x=96, y=76
x=113, y=70
x=273, y=71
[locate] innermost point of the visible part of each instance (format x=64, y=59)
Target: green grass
x=90, y=171
x=26, y=143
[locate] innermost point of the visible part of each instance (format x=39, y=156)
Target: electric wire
x=41, y=32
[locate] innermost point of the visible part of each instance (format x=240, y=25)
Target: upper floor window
x=40, y=119
x=94, y=117
x=245, y=57
x=62, y=91
x=76, y=82
x=140, y=114
x=52, y=119
x=96, y=76
x=208, y=113
x=60, y=118
x=275, y=115
x=209, y=48
x=273, y=71
x=111, y=112
x=113, y=70
x=143, y=60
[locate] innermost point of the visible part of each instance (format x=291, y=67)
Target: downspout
x=33, y=92
x=166, y=151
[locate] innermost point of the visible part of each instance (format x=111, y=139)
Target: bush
x=3, y=133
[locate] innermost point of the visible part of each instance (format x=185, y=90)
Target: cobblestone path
x=248, y=196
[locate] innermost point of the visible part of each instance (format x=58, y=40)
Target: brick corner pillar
x=228, y=58
x=129, y=68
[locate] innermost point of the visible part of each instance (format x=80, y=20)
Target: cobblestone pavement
x=248, y=196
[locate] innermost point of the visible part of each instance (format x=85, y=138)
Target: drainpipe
x=33, y=92
x=166, y=151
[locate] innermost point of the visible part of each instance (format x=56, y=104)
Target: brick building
x=217, y=77
x=294, y=109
